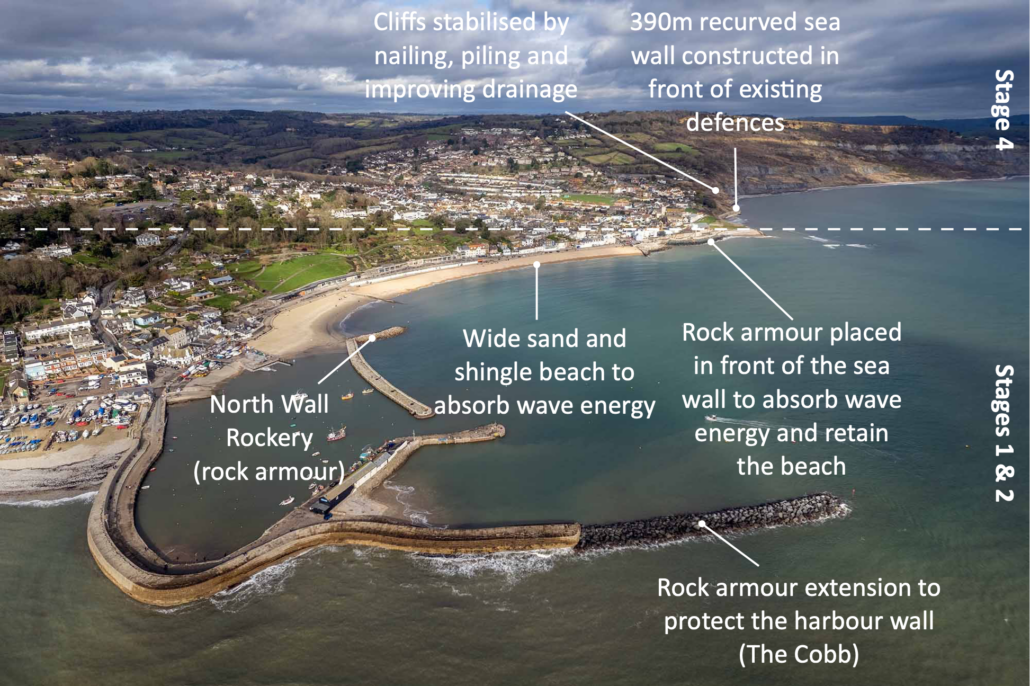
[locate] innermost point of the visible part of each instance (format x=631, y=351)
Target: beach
x=311, y=325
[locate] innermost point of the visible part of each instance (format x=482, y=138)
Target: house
x=53, y=251
x=219, y=280
x=17, y=385
x=180, y=285
x=34, y=369
x=133, y=375
x=176, y=335
x=10, y=346
x=148, y=240
x=201, y=296
x=134, y=297
x=147, y=320
x=55, y=327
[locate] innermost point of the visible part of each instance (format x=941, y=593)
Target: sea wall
x=668, y=528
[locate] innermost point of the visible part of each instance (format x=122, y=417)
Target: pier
x=385, y=464
x=364, y=369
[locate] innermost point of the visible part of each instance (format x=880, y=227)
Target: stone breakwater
x=364, y=369
x=669, y=528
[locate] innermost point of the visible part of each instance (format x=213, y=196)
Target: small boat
x=347, y=397
x=367, y=391
x=337, y=435
x=710, y=417
x=316, y=453
x=144, y=488
x=287, y=501
x=292, y=425
x=299, y=395
x=325, y=461
x=153, y=469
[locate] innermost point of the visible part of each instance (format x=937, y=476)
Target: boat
x=367, y=391
x=287, y=501
x=710, y=417
x=144, y=488
x=347, y=397
x=316, y=453
x=299, y=395
x=337, y=435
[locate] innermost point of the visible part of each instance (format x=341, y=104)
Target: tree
x=239, y=207
x=145, y=191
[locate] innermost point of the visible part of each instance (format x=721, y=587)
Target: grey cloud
x=927, y=58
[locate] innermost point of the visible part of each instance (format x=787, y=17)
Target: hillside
x=809, y=154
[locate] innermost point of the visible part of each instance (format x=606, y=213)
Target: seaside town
x=169, y=303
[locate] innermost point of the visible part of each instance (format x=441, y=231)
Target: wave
x=341, y=327
x=512, y=567
x=56, y=502
x=817, y=239
x=266, y=582
x=859, y=245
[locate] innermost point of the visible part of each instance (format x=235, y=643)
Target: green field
x=675, y=147
x=293, y=273
x=611, y=158
x=586, y=197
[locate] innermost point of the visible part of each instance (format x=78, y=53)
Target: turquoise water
x=923, y=503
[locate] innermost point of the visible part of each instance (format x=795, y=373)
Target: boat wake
x=416, y=516
x=747, y=422
x=57, y=502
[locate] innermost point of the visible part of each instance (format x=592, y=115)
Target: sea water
x=922, y=504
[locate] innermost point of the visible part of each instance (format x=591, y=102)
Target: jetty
x=364, y=369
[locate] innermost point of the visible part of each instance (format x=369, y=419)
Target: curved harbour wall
x=142, y=573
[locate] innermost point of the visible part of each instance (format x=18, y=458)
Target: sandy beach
x=311, y=325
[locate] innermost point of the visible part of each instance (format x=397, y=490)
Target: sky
x=923, y=58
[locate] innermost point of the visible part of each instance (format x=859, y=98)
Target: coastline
x=880, y=185
x=320, y=316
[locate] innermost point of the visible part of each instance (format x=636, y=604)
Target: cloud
x=928, y=58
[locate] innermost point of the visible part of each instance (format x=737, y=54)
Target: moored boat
x=337, y=435
x=287, y=501
x=367, y=391
x=347, y=397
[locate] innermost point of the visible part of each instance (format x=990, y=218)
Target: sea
x=922, y=503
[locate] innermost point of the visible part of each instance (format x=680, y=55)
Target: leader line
x=701, y=525
x=371, y=339
x=713, y=189
x=711, y=242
